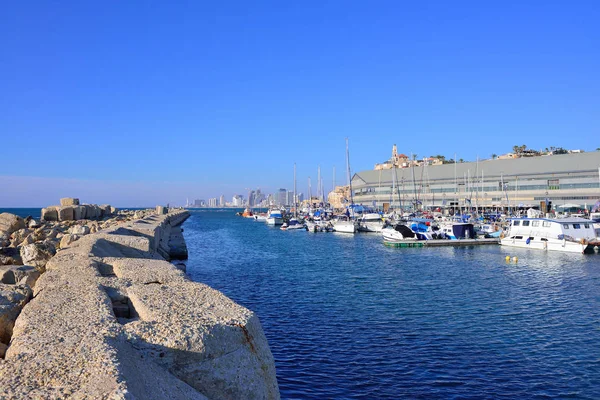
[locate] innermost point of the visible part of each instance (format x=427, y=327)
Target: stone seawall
x=110, y=318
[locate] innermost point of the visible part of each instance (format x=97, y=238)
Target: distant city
x=285, y=198
x=255, y=198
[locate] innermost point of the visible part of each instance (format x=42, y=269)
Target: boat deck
x=444, y=243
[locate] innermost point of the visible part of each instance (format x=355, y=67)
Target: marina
x=349, y=317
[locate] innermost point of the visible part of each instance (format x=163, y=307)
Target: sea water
x=347, y=317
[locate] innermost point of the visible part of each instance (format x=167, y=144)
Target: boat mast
x=414, y=182
x=294, y=200
x=319, y=194
x=348, y=173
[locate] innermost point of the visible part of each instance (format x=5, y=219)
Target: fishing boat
x=573, y=235
x=274, y=217
x=370, y=222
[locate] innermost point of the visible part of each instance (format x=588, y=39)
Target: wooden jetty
x=443, y=243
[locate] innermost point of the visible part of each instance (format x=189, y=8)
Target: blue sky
x=155, y=102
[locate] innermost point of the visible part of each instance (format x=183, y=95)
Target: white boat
x=260, y=217
x=371, y=222
x=274, y=217
x=344, y=224
x=398, y=233
x=573, y=235
x=457, y=230
x=293, y=224
x=488, y=230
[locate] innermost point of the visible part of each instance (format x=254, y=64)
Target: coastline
x=111, y=317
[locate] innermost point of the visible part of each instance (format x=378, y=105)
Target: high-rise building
x=238, y=200
x=281, y=197
x=289, y=200
x=199, y=203
x=222, y=201
x=213, y=202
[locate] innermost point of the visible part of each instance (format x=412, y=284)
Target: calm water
x=23, y=212
x=347, y=317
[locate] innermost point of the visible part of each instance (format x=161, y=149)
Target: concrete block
x=65, y=213
x=69, y=201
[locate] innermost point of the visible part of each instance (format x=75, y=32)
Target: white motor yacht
x=574, y=235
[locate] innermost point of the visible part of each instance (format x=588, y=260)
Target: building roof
x=541, y=165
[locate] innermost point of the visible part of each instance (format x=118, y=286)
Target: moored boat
x=344, y=224
x=371, y=222
x=274, y=217
x=398, y=234
x=573, y=235
x=292, y=224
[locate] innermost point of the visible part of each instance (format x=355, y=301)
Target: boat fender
x=502, y=235
x=583, y=241
x=528, y=241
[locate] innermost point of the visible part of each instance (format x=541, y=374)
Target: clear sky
x=137, y=103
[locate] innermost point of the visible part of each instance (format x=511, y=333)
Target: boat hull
x=274, y=221
x=344, y=227
x=549, y=245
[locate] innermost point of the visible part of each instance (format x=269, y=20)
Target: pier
x=445, y=243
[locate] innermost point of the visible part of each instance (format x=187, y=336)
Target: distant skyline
x=137, y=104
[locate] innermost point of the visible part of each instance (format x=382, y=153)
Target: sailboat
x=293, y=223
x=344, y=223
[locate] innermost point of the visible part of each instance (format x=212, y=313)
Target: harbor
x=348, y=317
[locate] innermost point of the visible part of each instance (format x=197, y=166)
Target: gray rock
x=80, y=230
x=19, y=274
x=33, y=224
x=38, y=254
x=17, y=237
x=10, y=223
x=66, y=240
x=12, y=300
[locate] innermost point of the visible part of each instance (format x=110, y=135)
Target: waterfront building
x=500, y=183
x=222, y=201
x=238, y=200
x=199, y=203
x=213, y=202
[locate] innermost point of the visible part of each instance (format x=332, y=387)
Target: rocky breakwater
x=111, y=318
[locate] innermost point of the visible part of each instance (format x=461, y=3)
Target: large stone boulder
x=17, y=237
x=66, y=240
x=65, y=213
x=19, y=274
x=10, y=223
x=10, y=256
x=50, y=213
x=160, y=210
x=12, y=300
x=80, y=230
x=38, y=254
x=69, y=201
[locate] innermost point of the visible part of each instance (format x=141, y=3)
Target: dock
x=444, y=243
